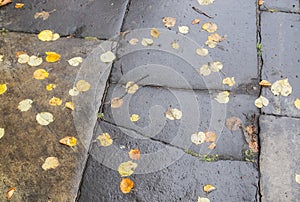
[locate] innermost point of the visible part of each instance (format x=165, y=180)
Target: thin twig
x=201, y=12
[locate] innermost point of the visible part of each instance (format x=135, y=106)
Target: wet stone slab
x=26, y=144
x=181, y=181
x=200, y=113
x=283, y=5
x=281, y=56
x=279, y=159
x=237, y=51
x=102, y=19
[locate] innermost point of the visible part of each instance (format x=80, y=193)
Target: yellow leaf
x=23, y=58
x=55, y=101
x=229, y=81
x=147, y=42
x=19, y=5
x=175, y=45
x=134, y=154
x=223, y=97
x=127, y=168
x=261, y=101
x=48, y=35
x=201, y=199
x=169, y=21
x=69, y=141
x=108, y=57
x=75, y=61
x=183, y=29
x=3, y=88
x=133, y=41
x=105, y=139
x=211, y=44
x=131, y=87
x=35, y=61
x=10, y=192
x=155, y=33
x=205, y=70
x=202, y=51
x=40, y=74
x=214, y=37
x=126, y=185
x=216, y=66
x=297, y=178
x=25, y=105
x=52, y=57
x=297, y=103
x=116, y=102
x=83, y=86
x=44, y=118
x=50, y=163
x=173, y=114
x=4, y=2
x=134, y=117
x=265, y=83
x=196, y=21
x=198, y=138
x=210, y=27
x=50, y=87
x=2, y=131
x=70, y=105
x=281, y=87
x=205, y=2
x=260, y=2
x=73, y=92
x=208, y=188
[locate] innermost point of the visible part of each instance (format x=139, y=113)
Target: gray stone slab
x=101, y=19
x=181, y=181
x=279, y=159
x=281, y=56
x=283, y=5
x=237, y=52
x=200, y=113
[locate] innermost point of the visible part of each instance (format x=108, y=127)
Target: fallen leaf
x=260, y=2
x=48, y=35
x=253, y=146
x=208, y=188
x=169, y=21
x=261, y=101
x=25, y=105
x=116, y=102
x=3, y=88
x=205, y=70
x=35, y=61
x=233, y=123
x=175, y=45
x=211, y=44
x=297, y=103
x=1, y=58
x=131, y=87
x=230, y=81
x=198, y=138
x=73, y=92
x=23, y=58
x=201, y=199
x=18, y=53
x=69, y=105
x=173, y=114
x=250, y=129
x=183, y=29
x=216, y=66
x=223, y=97
x=134, y=117
x=196, y=21
x=210, y=136
x=127, y=168
x=4, y=2
x=134, y=154
x=50, y=163
x=281, y=87
x=50, y=87
x=83, y=86
x=10, y=192
x=147, y=42
x=212, y=145
x=210, y=27
x=108, y=57
x=202, y=51
x=44, y=14
x=105, y=139
x=297, y=178
x=75, y=61
x=19, y=5
x=133, y=41
x=44, y=118
x=69, y=141
x=2, y=131
x=40, y=74
x=52, y=57
x=154, y=32
x=55, y=101
x=214, y=37
x=265, y=83
x=126, y=185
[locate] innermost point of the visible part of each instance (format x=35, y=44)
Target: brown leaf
x=126, y=185
x=250, y=129
x=134, y=154
x=210, y=136
x=4, y=2
x=196, y=21
x=10, y=192
x=44, y=14
x=233, y=123
x=116, y=102
x=253, y=146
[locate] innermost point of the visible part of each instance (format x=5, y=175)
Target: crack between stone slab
x=276, y=10
x=125, y=14
x=280, y=115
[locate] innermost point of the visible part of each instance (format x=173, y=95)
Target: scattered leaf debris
x=261, y=102
x=131, y=87
x=35, y=61
x=183, y=29
x=44, y=14
x=116, y=102
x=55, y=101
x=4, y=2
x=210, y=27
x=40, y=74
x=50, y=86
x=208, y=188
x=70, y=105
x=52, y=57
x=10, y=192
x=3, y=88
x=201, y=199
x=297, y=178
x=134, y=41
x=196, y=21
x=230, y=81
x=198, y=138
x=83, y=86
x=297, y=103
x=265, y=83
x=147, y=42
x=75, y=61
x=48, y=35
x=223, y=97
x=202, y=52
x=19, y=5
x=154, y=32
x=108, y=57
x=281, y=87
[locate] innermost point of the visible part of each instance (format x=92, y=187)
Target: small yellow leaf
x=201, y=199
x=69, y=141
x=73, y=92
x=19, y=5
x=205, y=70
x=3, y=88
x=202, y=51
x=44, y=118
x=134, y=154
x=50, y=163
x=210, y=27
x=214, y=37
x=281, y=87
x=55, y=101
x=175, y=45
x=173, y=114
x=105, y=139
x=133, y=41
x=265, y=83
x=127, y=168
x=108, y=57
x=25, y=105
x=155, y=33
x=297, y=178
x=126, y=185
x=134, y=117
x=297, y=103
x=52, y=57
x=211, y=44
x=2, y=131
x=169, y=21
x=23, y=58
x=198, y=138
x=261, y=101
x=48, y=35
x=35, y=61
x=70, y=105
x=205, y=2
x=40, y=74
x=83, y=86
x=147, y=42
x=223, y=97
x=229, y=81
x=116, y=102
x=216, y=66
x=75, y=61
x=10, y=192
x=208, y=188
x=183, y=29
x=50, y=87
x=131, y=87
x=196, y=21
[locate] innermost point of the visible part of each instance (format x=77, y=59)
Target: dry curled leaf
x=173, y=114
x=154, y=32
x=35, y=61
x=212, y=145
x=3, y=88
x=75, y=61
x=40, y=74
x=260, y=2
x=127, y=168
x=55, y=101
x=169, y=21
x=210, y=27
x=69, y=105
x=50, y=87
x=50, y=163
x=198, y=138
x=2, y=131
x=261, y=102
x=133, y=41
x=233, y=123
x=10, y=192
x=23, y=58
x=253, y=146
x=116, y=102
x=134, y=117
x=208, y=188
x=222, y=97
x=196, y=21
x=202, y=51
x=230, y=81
x=52, y=57
x=205, y=70
x=201, y=199
x=210, y=136
x=48, y=35
x=134, y=154
x=297, y=103
x=4, y=2
x=126, y=185
x=44, y=118
x=83, y=86
x=19, y=5
x=265, y=83
x=105, y=139
x=147, y=42
x=44, y=14
x=131, y=87
x=108, y=57
x=175, y=45
x=69, y=141
x=183, y=29
x=281, y=87
x=25, y=105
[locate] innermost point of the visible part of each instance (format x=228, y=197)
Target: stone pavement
x=258, y=42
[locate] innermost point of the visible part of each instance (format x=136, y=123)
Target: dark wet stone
x=279, y=162
x=101, y=19
x=281, y=56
